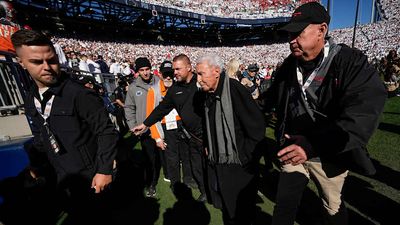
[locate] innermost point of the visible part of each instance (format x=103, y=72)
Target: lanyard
x=47, y=109
x=53, y=142
x=313, y=74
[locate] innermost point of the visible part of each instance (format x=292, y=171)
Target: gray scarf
x=225, y=129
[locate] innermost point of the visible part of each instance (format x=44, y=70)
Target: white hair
x=211, y=60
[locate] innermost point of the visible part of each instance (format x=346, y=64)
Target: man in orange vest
x=168, y=130
x=7, y=26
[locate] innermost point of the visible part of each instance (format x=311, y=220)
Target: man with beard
x=167, y=132
x=70, y=126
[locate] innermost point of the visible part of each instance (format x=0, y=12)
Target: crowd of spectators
x=389, y=68
x=255, y=9
x=374, y=39
x=389, y=8
x=127, y=53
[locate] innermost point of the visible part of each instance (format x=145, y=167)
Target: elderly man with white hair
x=234, y=127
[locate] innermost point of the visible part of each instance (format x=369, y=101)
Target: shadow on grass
x=129, y=206
x=27, y=202
x=357, y=192
x=389, y=127
x=394, y=113
x=186, y=210
x=386, y=175
x=262, y=218
x=360, y=194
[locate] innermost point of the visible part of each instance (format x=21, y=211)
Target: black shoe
x=151, y=192
x=202, y=198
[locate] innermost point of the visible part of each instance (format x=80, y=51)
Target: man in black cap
x=328, y=99
x=252, y=81
x=167, y=133
x=135, y=113
x=87, y=81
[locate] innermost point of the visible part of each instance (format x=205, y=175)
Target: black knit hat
x=309, y=13
x=142, y=62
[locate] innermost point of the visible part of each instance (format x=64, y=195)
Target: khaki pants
x=329, y=188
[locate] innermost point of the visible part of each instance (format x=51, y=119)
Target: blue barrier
x=13, y=158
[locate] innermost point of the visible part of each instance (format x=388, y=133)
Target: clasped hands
x=294, y=153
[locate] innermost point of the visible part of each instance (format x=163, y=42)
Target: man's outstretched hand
x=139, y=129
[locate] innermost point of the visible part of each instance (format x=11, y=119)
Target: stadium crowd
x=390, y=9
x=257, y=9
x=375, y=39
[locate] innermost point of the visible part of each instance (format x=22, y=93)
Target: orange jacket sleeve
x=150, y=105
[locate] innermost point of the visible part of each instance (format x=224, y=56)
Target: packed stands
x=390, y=8
x=374, y=39
x=254, y=9
x=264, y=54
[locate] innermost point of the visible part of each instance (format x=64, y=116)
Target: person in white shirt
x=83, y=66
x=93, y=66
x=59, y=51
x=126, y=70
x=115, y=68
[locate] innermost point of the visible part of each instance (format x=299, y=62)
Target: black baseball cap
x=253, y=68
x=166, y=69
x=86, y=79
x=166, y=66
x=308, y=13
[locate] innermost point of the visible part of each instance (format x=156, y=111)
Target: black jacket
x=103, y=66
x=248, y=119
x=80, y=123
x=187, y=100
x=352, y=97
x=234, y=185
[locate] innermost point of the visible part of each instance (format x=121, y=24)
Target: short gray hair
x=212, y=60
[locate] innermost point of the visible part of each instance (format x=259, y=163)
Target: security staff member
x=70, y=126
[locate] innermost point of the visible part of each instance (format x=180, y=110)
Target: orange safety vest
x=154, y=97
x=6, y=30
